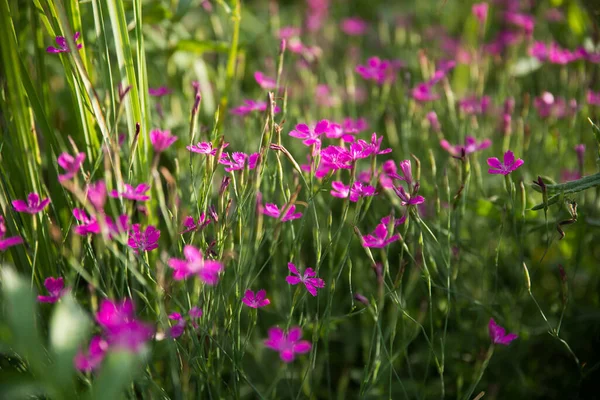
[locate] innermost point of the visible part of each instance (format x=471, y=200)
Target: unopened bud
x=527, y=279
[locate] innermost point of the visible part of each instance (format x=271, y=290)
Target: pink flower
x=95, y=354
x=498, y=334
x=288, y=345
x=237, y=161
x=509, y=165
x=161, y=140
x=96, y=194
x=288, y=32
x=177, y=329
x=380, y=71
x=115, y=228
x=205, y=148
x=251, y=105
x=70, y=164
x=307, y=279
x=63, y=45
x=159, y=91
x=379, y=239
x=195, y=264
x=480, y=11
x=195, y=313
x=525, y=21
x=310, y=136
x=474, y=105
x=593, y=98
x=56, y=289
x=433, y=121
x=422, y=93
x=405, y=168
x=33, y=205
x=131, y=193
x=443, y=68
x=408, y=199
x=264, y=81
x=354, y=26
x=357, y=191
x=256, y=301
x=272, y=210
x=190, y=225
x=114, y=313
x=143, y=240
x=6, y=242
x=86, y=225
x=469, y=147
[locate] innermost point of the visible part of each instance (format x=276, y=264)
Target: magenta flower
x=347, y=130
x=237, y=161
x=357, y=191
x=205, y=148
x=250, y=106
x=70, y=164
x=288, y=345
x=118, y=226
x=309, y=135
x=480, y=11
x=469, y=147
x=332, y=159
x=114, y=313
x=6, y=242
x=256, y=300
x=159, y=91
x=177, y=329
x=195, y=264
x=379, y=238
x=63, y=45
x=473, y=105
x=122, y=330
x=443, y=68
x=195, y=313
x=422, y=93
x=191, y=225
x=56, y=289
x=87, y=362
x=405, y=168
x=86, y=225
x=33, y=205
x=498, y=334
x=524, y=21
x=509, y=165
x=161, y=140
x=265, y=82
x=376, y=145
x=593, y=98
x=408, y=199
x=311, y=283
x=143, y=240
x=272, y=210
x=131, y=193
x=380, y=71
x=96, y=194
x=433, y=121
x=354, y=26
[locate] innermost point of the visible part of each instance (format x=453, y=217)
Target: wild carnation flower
x=251, y=105
x=237, y=161
x=311, y=283
x=376, y=145
x=96, y=194
x=310, y=136
x=407, y=199
x=256, y=300
x=177, y=329
x=143, y=240
x=593, y=98
x=473, y=105
x=354, y=26
x=56, y=289
x=191, y=225
x=378, y=70
x=272, y=210
x=91, y=360
x=131, y=193
x=498, y=334
x=121, y=329
x=195, y=313
x=357, y=191
x=118, y=226
x=288, y=345
x=469, y=147
x=205, y=148
x=86, y=225
x=379, y=238
x=422, y=93
x=195, y=264
x=433, y=121
x=161, y=140
x=33, y=205
x=265, y=82
x=480, y=11
x=406, y=171
x=62, y=45
x=6, y=242
x=70, y=164
x=509, y=165
x=159, y=91
x=525, y=21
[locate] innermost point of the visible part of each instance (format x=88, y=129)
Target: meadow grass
x=402, y=203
